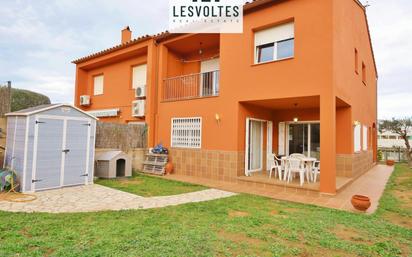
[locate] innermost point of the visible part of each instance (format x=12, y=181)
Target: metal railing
x=191, y=86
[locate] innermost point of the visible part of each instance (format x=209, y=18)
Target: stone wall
x=354, y=165
x=211, y=164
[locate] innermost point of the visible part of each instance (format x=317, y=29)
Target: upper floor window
x=139, y=78
x=275, y=43
x=356, y=61
x=98, y=82
x=363, y=73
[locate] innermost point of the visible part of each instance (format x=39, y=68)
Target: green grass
x=148, y=186
x=242, y=225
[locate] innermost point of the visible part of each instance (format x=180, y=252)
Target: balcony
x=191, y=86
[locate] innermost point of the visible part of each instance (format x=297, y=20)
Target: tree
x=402, y=127
x=22, y=99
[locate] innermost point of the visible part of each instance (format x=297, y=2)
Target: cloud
x=39, y=39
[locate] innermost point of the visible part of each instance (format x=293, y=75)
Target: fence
x=397, y=154
x=121, y=136
x=191, y=86
x=5, y=99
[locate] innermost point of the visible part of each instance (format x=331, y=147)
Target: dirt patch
x=48, y=252
x=399, y=220
x=254, y=245
x=349, y=234
x=274, y=212
x=234, y=214
x=325, y=252
x=25, y=232
x=239, y=238
x=405, y=196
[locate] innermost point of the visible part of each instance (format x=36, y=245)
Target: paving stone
x=93, y=198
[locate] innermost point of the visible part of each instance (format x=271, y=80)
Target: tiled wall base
x=210, y=164
x=354, y=165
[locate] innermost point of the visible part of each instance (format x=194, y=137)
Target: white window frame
x=309, y=139
x=101, y=91
x=275, y=45
x=190, y=144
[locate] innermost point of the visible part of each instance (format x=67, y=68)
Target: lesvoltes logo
x=206, y=16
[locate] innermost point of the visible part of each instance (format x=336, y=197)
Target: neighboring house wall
x=118, y=93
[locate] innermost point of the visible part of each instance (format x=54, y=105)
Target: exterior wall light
x=217, y=117
x=356, y=123
x=296, y=119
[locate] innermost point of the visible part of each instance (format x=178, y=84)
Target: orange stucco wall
x=350, y=33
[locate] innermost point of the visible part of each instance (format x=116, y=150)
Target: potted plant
x=361, y=202
x=390, y=162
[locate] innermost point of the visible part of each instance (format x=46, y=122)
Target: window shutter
x=281, y=137
x=139, y=75
x=365, y=138
x=357, y=138
x=209, y=65
x=98, y=85
x=275, y=34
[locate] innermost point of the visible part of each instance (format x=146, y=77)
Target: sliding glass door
x=304, y=138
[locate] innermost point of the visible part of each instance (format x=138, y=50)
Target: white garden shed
x=50, y=146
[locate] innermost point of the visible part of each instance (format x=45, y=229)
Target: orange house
x=300, y=79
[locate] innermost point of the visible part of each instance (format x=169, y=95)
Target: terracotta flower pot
x=169, y=168
x=390, y=162
x=361, y=202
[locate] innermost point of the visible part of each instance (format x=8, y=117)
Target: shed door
x=48, y=153
x=76, y=152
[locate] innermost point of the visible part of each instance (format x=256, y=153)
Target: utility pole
x=5, y=99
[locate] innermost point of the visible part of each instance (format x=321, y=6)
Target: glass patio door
x=254, y=146
x=304, y=138
x=298, y=138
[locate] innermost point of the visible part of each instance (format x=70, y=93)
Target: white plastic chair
x=316, y=170
x=282, y=166
x=295, y=165
x=275, y=167
x=297, y=155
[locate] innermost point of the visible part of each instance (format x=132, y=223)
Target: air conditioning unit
x=138, y=108
x=140, y=91
x=85, y=100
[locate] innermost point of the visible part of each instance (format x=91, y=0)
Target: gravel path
x=99, y=198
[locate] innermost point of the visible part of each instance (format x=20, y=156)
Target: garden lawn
x=148, y=186
x=242, y=225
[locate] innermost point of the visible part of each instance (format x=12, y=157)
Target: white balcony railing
x=191, y=86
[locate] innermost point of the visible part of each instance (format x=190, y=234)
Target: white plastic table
x=309, y=161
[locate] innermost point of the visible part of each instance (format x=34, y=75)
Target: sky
x=39, y=39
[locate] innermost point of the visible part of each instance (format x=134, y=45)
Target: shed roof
x=45, y=107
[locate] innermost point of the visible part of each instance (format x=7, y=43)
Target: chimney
x=126, y=35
